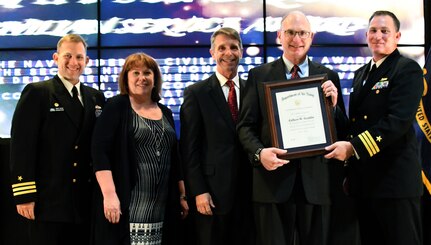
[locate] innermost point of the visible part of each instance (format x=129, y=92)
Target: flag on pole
x=423, y=126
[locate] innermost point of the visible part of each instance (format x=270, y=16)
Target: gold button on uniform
x=74, y=180
x=365, y=117
x=353, y=119
x=377, y=91
x=76, y=147
x=75, y=164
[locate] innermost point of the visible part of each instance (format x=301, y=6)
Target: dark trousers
x=293, y=222
x=344, y=227
x=390, y=221
x=56, y=233
x=235, y=227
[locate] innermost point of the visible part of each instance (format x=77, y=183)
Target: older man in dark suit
x=287, y=195
x=217, y=171
x=382, y=152
x=50, y=150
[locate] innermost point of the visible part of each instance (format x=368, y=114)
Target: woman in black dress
x=138, y=199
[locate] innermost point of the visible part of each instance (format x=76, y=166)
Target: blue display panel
x=18, y=68
x=188, y=22
x=40, y=23
x=175, y=32
x=345, y=22
x=177, y=22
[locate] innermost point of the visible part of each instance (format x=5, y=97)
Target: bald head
x=295, y=16
x=295, y=36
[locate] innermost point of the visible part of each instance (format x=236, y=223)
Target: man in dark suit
x=287, y=195
x=217, y=172
x=50, y=150
x=382, y=152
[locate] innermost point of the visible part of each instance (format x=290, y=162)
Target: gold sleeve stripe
x=24, y=188
x=24, y=192
x=373, y=142
x=365, y=144
x=24, y=184
x=370, y=145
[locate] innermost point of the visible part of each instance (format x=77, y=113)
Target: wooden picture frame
x=300, y=116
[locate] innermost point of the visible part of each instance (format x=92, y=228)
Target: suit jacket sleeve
x=26, y=124
x=191, y=143
x=250, y=120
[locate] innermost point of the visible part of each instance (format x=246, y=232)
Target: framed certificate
x=300, y=116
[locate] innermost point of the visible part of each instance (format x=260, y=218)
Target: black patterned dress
x=153, y=140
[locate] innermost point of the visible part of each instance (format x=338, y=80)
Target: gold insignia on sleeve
x=379, y=138
x=24, y=188
x=19, y=178
x=369, y=143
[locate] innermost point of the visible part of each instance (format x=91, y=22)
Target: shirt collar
x=69, y=85
x=303, y=67
x=378, y=63
x=223, y=79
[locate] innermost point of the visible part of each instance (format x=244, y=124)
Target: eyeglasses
x=301, y=34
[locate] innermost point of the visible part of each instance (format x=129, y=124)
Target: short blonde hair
x=75, y=38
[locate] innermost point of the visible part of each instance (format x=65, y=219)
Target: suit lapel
x=241, y=92
x=312, y=69
x=278, y=71
x=362, y=75
x=216, y=94
x=359, y=78
x=315, y=68
x=89, y=106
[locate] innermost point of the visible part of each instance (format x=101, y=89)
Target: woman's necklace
x=158, y=142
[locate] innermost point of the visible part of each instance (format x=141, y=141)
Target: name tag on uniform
x=56, y=108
